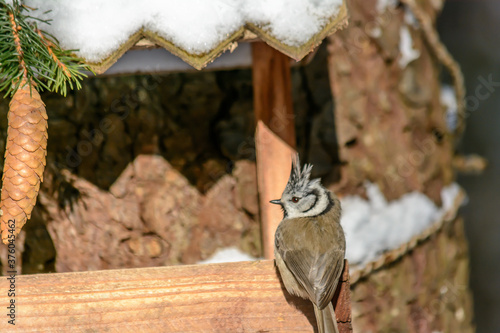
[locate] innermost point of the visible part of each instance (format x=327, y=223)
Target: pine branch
x=49, y=45
x=17, y=42
x=32, y=55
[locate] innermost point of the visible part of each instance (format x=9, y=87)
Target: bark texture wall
x=151, y=216
x=391, y=126
x=425, y=291
x=392, y=131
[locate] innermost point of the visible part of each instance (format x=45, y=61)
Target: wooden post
x=275, y=134
x=273, y=170
x=342, y=302
x=272, y=89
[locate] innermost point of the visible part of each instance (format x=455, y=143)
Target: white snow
x=375, y=32
x=292, y=21
x=449, y=101
x=383, y=5
x=408, y=53
x=373, y=226
x=229, y=254
x=410, y=18
x=97, y=28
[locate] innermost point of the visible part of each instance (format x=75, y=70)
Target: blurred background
x=470, y=30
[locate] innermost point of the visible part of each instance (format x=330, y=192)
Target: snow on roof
x=195, y=30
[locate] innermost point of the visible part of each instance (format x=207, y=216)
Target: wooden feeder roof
x=104, y=42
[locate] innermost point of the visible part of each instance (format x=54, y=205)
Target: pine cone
x=24, y=158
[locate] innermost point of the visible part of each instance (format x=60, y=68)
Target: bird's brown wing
x=316, y=268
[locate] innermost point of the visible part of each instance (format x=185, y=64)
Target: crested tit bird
x=309, y=244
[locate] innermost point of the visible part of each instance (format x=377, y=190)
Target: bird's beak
x=276, y=202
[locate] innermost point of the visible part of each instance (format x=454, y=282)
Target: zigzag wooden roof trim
x=337, y=22
x=199, y=61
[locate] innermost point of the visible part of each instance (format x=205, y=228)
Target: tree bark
x=390, y=123
x=392, y=131
x=427, y=290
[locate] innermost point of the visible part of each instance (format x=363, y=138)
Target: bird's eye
x=295, y=199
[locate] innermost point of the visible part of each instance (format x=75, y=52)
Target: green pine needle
x=45, y=63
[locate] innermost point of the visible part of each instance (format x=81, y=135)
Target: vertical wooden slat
x=273, y=91
x=273, y=169
x=275, y=135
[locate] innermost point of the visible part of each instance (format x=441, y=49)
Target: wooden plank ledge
x=229, y=297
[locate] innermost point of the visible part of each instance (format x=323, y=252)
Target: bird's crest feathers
x=299, y=178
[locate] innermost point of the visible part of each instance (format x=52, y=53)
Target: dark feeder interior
x=203, y=125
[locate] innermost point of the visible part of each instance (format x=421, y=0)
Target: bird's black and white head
x=302, y=196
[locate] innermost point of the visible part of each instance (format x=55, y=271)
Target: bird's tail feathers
x=327, y=322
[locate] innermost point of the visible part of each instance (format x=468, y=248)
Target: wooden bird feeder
x=390, y=129
x=232, y=297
